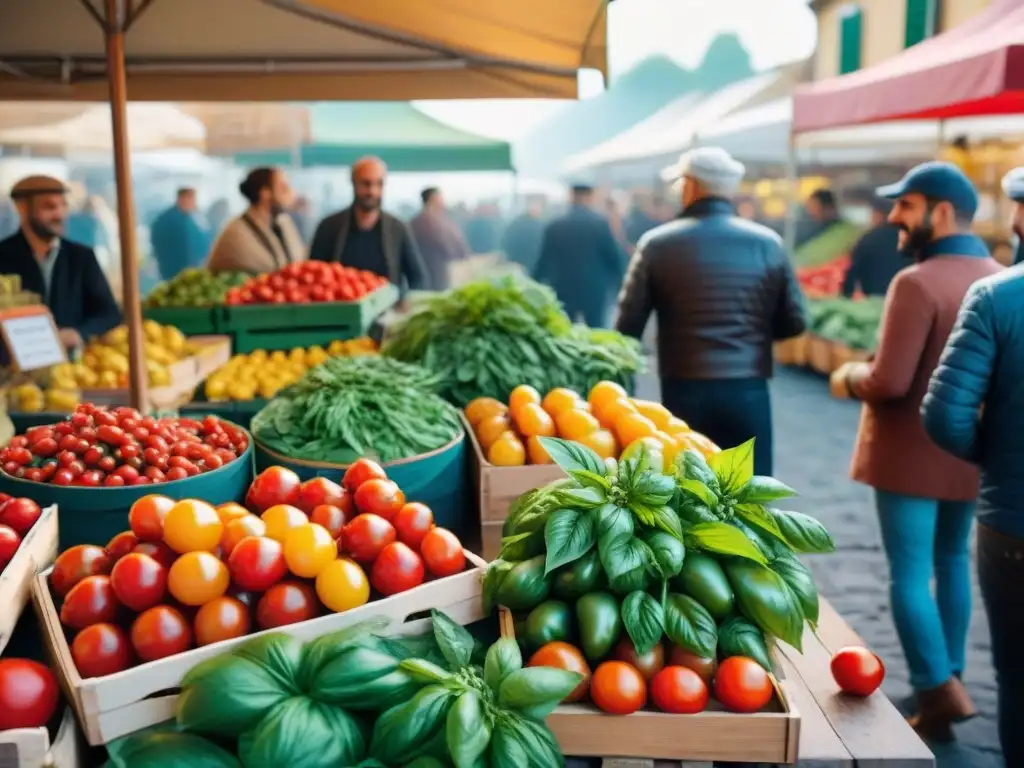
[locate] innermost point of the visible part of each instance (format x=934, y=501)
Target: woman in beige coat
x=264, y=238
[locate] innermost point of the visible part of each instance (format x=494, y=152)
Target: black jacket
x=874, y=261
x=80, y=296
x=722, y=288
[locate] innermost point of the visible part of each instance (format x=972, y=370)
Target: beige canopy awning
x=304, y=50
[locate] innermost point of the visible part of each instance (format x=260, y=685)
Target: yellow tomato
x=490, y=429
x=605, y=391
x=656, y=412
x=558, y=400
x=574, y=424
x=308, y=549
x=535, y=452
x=522, y=395
x=633, y=426
x=532, y=420
x=192, y=526
x=507, y=451
x=602, y=442
x=675, y=426
x=196, y=578
x=281, y=519
x=484, y=408
x=342, y=585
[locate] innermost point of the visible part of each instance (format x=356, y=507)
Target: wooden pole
x=116, y=76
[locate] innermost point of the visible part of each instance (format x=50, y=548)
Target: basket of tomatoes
x=119, y=456
x=187, y=581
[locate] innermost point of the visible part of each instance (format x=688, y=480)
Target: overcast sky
x=774, y=31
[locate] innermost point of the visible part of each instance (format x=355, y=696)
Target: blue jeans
x=926, y=538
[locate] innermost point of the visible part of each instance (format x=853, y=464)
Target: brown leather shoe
x=939, y=708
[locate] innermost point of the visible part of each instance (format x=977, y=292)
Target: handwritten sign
x=31, y=337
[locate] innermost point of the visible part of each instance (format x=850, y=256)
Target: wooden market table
x=836, y=731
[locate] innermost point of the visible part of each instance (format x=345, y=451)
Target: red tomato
x=74, y=564
x=442, y=552
x=396, y=569
x=287, y=603
x=146, y=516
x=380, y=497
x=158, y=551
x=9, y=543
x=121, y=544
x=679, y=690
x=139, y=581
x=704, y=666
x=238, y=529
x=273, y=486
x=617, y=688
x=857, y=670
x=366, y=536
x=257, y=563
x=221, y=619
x=319, y=490
x=412, y=523
x=90, y=601
x=647, y=664
x=358, y=473
x=564, y=656
x=28, y=694
x=332, y=518
x=160, y=632
x=19, y=514
x=44, y=447
x=101, y=649
x=742, y=685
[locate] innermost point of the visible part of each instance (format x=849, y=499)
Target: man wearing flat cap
x=924, y=496
x=581, y=259
x=723, y=291
x=66, y=274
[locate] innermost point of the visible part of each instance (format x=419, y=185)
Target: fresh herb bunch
x=488, y=337
x=692, y=552
x=358, y=406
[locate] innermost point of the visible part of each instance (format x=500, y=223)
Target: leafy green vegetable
x=738, y=637
x=688, y=624
x=168, y=749
x=304, y=732
x=643, y=619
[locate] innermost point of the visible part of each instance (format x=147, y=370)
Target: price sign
x=31, y=337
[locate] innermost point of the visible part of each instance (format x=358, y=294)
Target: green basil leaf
x=689, y=625
x=803, y=533
x=568, y=535
x=692, y=465
x=226, y=696
x=301, y=731
x=326, y=647
x=734, y=467
x=613, y=521
x=799, y=579
x=278, y=654
x=699, y=492
x=669, y=552
x=623, y=554
x=724, y=539
x=582, y=498
x=424, y=671
x=738, y=637
x=467, y=731
x=569, y=455
x=766, y=599
x=644, y=620
x=536, y=691
x=757, y=516
x=762, y=490
x=536, y=742
x=591, y=480
x=522, y=546
x=364, y=677
x=168, y=749
x=652, y=489
x=503, y=658
x=455, y=641
x=402, y=732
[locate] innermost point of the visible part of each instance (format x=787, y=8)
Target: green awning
x=401, y=135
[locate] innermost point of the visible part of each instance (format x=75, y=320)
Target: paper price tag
x=31, y=338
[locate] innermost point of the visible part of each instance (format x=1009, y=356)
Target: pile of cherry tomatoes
x=187, y=574
x=305, y=282
x=116, y=447
x=17, y=516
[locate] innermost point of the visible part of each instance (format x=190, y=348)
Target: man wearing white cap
x=723, y=291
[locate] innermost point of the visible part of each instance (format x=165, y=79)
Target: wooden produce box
x=792, y=351
x=843, y=354
x=819, y=354
x=31, y=747
x=498, y=487
x=116, y=705
x=769, y=736
x=38, y=550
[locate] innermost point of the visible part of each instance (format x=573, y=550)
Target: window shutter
x=851, y=23
x=920, y=24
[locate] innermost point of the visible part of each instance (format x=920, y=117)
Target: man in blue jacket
x=1013, y=188
x=975, y=410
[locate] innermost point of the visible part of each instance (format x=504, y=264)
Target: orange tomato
x=697, y=442
x=675, y=426
x=602, y=442
x=535, y=452
x=507, y=451
x=531, y=419
x=223, y=618
x=574, y=424
x=280, y=519
x=238, y=529
x=231, y=511
x=192, y=526
x=559, y=399
x=632, y=426
x=488, y=430
x=669, y=445
x=146, y=517
x=607, y=411
x=483, y=408
x=522, y=395
x=196, y=578
x=605, y=391
x=564, y=656
x=617, y=688
x=656, y=412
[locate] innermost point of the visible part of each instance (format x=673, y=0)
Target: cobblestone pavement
x=813, y=440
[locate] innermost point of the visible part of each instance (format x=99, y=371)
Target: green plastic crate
x=192, y=321
x=351, y=316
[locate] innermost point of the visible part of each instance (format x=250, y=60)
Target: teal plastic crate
x=353, y=317
x=192, y=321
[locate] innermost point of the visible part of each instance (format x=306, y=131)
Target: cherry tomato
x=9, y=543
x=647, y=664
x=192, y=526
x=146, y=516
x=342, y=585
x=129, y=450
x=155, y=475
x=281, y=519
x=231, y=511
x=564, y=656
x=308, y=549
x=617, y=688
x=742, y=685
x=317, y=491
x=90, y=601
x=273, y=486
x=286, y=603
x=158, y=551
x=101, y=649
x=366, y=535
x=412, y=523
x=128, y=472
x=74, y=564
x=44, y=447
x=679, y=690
x=330, y=517
x=256, y=563
x=21, y=456
x=197, y=578
x=121, y=544
x=19, y=514
x=65, y=458
x=107, y=464
x=359, y=472
x=857, y=670
x=160, y=632
x=139, y=581
x=91, y=478
x=111, y=435
x=396, y=569
x=238, y=529
x=28, y=694
x=442, y=552
x=223, y=618
x=379, y=497
x=702, y=665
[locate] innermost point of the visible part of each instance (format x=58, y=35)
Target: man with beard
x=365, y=237
x=924, y=496
x=1013, y=188
x=66, y=274
x=264, y=238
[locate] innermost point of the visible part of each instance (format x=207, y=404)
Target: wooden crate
x=713, y=735
x=843, y=354
x=791, y=351
x=31, y=747
x=38, y=550
x=819, y=354
x=116, y=705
